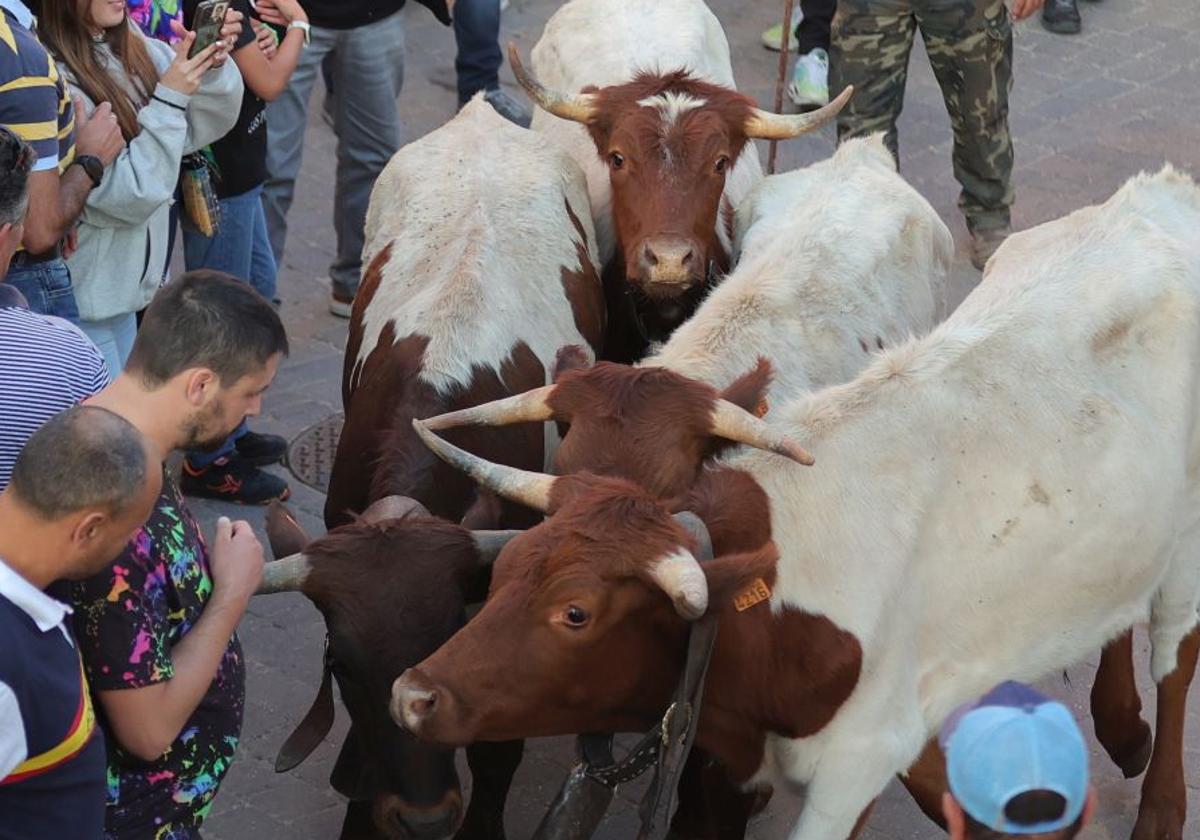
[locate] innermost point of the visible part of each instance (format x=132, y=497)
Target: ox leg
x=711, y=807
x=845, y=785
x=1164, y=796
x=926, y=780
x=1117, y=709
x=862, y=820
x=493, y=765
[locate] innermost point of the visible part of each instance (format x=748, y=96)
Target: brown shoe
x=985, y=242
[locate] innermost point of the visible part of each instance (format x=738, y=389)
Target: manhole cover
x=310, y=454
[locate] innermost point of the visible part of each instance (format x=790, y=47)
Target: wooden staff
x=784, y=43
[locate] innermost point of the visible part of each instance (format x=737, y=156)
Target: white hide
x=835, y=257
x=604, y=43
x=479, y=230
x=1001, y=498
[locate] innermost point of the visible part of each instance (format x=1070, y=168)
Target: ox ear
x=569, y=358
x=749, y=391
x=743, y=580
x=284, y=531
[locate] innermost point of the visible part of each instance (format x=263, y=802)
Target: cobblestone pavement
x=1087, y=112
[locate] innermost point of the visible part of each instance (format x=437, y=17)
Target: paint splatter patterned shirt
x=127, y=619
x=154, y=17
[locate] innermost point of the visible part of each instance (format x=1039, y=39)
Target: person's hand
x=281, y=12
x=1022, y=9
x=184, y=74
x=230, y=32
x=98, y=135
x=235, y=561
x=70, y=243
x=265, y=36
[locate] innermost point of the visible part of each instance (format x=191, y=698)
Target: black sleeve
x=439, y=9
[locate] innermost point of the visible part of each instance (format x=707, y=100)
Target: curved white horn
x=284, y=575
x=577, y=107
x=521, y=408
x=527, y=488
x=680, y=576
x=735, y=423
x=393, y=507
x=765, y=125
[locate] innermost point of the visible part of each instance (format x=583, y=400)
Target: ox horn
x=284, y=575
x=532, y=406
x=735, y=423
x=679, y=575
x=393, y=507
x=578, y=107
x=489, y=544
x=765, y=125
x=527, y=488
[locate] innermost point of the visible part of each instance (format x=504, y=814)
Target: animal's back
x=838, y=260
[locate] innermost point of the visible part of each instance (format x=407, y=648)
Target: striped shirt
x=35, y=102
x=46, y=366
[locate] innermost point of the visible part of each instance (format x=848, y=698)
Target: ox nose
x=404, y=821
x=413, y=700
x=669, y=262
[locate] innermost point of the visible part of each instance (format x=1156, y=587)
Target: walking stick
x=785, y=42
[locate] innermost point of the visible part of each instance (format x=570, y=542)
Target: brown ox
x=662, y=147
x=477, y=275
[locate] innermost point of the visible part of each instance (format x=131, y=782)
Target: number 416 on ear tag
x=755, y=593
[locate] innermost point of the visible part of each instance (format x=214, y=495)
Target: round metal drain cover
x=310, y=454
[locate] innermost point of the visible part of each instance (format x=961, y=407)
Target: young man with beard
x=156, y=628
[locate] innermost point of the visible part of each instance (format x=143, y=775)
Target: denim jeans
x=477, y=34
x=114, y=338
x=368, y=71
x=241, y=246
x=47, y=287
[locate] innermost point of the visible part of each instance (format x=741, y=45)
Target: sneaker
x=340, y=304
x=985, y=242
x=772, y=38
x=233, y=479
x=809, y=87
x=261, y=450
x=509, y=108
x=1061, y=17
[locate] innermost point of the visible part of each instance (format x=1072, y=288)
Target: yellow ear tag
x=755, y=593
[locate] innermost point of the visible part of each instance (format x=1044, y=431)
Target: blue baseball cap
x=1010, y=742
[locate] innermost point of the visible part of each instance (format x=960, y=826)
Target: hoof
x=1133, y=763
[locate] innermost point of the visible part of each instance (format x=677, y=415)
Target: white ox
x=836, y=260
x=997, y=500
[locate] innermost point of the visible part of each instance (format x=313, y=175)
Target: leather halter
x=590, y=786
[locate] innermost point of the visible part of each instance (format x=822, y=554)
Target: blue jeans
x=47, y=287
x=114, y=338
x=477, y=34
x=241, y=246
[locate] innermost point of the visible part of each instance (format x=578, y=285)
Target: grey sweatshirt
x=124, y=227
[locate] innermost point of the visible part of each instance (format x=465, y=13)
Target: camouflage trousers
x=970, y=46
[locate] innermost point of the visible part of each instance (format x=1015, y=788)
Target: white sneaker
x=772, y=38
x=809, y=87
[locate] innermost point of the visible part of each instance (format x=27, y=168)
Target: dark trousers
x=813, y=31
x=477, y=33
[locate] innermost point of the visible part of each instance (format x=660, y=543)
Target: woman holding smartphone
x=167, y=105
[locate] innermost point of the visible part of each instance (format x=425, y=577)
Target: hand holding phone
x=207, y=23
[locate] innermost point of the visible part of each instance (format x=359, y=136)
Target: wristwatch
x=92, y=166
x=303, y=26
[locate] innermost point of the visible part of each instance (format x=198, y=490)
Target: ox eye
x=616, y=159
x=574, y=616
x=722, y=164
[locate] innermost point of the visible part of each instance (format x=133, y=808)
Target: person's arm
x=1022, y=9
x=268, y=77
x=55, y=201
x=147, y=720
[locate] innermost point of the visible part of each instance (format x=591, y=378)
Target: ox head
x=669, y=141
x=585, y=626
x=650, y=425
x=392, y=587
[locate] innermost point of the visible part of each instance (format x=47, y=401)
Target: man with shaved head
x=83, y=484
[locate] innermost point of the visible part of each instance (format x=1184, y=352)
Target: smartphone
x=207, y=23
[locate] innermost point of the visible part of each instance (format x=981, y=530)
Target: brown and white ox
x=480, y=255
x=994, y=501
x=649, y=109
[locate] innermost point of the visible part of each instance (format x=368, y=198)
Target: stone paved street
x=1087, y=112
